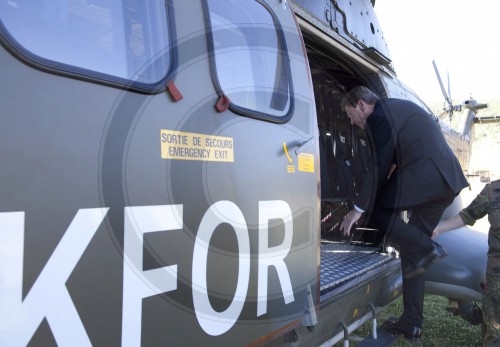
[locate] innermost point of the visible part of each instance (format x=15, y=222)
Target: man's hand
x=436, y=232
x=352, y=217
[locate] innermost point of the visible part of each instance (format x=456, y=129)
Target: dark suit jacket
x=404, y=134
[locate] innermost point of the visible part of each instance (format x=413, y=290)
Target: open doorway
x=345, y=153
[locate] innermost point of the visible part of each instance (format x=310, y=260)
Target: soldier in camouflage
x=487, y=202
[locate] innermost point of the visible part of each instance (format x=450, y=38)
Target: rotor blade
x=487, y=119
x=441, y=83
x=449, y=89
x=443, y=114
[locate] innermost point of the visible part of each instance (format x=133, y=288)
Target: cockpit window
x=126, y=40
x=250, y=62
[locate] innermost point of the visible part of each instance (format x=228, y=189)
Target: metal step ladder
x=380, y=336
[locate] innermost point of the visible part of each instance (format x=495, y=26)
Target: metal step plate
x=341, y=262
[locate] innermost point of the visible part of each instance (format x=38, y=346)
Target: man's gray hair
x=352, y=97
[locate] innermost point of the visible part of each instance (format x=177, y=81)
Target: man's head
x=358, y=103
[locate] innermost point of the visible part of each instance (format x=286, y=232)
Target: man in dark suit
x=414, y=169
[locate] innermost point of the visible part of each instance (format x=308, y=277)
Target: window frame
x=9, y=42
x=283, y=49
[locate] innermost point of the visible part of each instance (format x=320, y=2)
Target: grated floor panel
x=342, y=262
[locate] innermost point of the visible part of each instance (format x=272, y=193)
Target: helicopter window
x=124, y=39
x=250, y=61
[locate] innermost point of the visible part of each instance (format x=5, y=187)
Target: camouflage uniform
x=488, y=202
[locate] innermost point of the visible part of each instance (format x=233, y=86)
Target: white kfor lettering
x=137, y=283
x=213, y=322
x=48, y=297
x=274, y=256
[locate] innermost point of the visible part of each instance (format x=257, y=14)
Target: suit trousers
x=413, y=239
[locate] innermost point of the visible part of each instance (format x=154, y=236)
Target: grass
x=441, y=328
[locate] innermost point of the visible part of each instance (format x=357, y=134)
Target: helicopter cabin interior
x=344, y=156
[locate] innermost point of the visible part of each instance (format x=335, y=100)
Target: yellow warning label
x=191, y=146
x=291, y=169
x=306, y=162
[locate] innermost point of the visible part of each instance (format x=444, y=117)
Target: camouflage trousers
x=491, y=306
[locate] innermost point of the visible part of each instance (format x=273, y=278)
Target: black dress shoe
x=412, y=333
x=393, y=327
x=433, y=257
